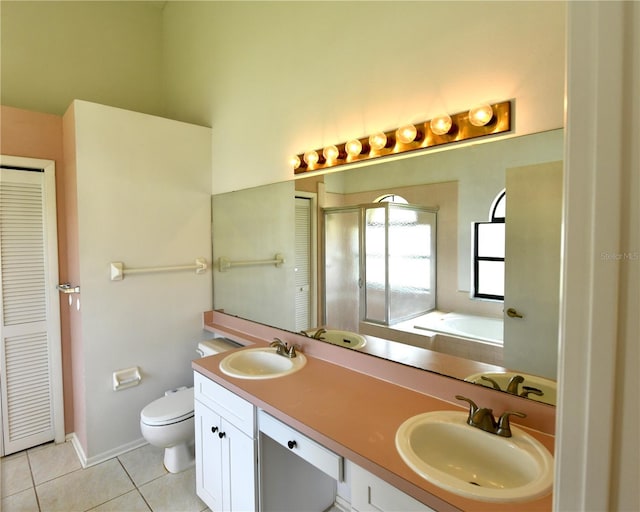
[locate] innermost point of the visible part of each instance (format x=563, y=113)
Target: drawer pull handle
x=291, y=444
x=222, y=434
x=214, y=430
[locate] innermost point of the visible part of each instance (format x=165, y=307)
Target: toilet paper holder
x=129, y=377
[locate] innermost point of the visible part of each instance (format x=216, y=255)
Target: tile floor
x=49, y=478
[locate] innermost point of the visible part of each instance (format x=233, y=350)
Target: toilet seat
x=169, y=409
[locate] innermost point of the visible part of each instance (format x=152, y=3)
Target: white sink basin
x=440, y=447
x=260, y=363
x=343, y=338
x=547, y=386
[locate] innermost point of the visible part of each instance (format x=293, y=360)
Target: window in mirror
x=488, y=252
x=391, y=198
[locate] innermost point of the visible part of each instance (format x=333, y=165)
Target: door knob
x=67, y=288
x=512, y=313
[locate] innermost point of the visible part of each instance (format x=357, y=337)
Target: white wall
x=276, y=78
x=598, y=428
x=143, y=187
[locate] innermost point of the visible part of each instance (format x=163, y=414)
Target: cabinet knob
x=214, y=430
x=291, y=444
x=222, y=434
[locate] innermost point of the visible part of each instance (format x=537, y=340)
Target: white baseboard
x=97, y=459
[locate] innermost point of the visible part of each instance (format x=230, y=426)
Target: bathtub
x=481, y=328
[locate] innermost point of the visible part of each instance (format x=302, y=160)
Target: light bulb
x=311, y=157
x=378, y=140
x=407, y=134
x=353, y=147
x=481, y=115
x=330, y=153
x=441, y=124
x=295, y=161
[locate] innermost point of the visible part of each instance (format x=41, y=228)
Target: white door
x=532, y=268
x=30, y=352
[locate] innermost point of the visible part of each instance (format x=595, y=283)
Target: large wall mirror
x=462, y=336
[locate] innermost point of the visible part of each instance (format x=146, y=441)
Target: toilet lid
x=172, y=408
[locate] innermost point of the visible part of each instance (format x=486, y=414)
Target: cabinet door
x=209, y=486
x=371, y=494
x=239, y=469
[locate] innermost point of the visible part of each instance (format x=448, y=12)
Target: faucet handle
x=493, y=382
x=473, y=408
x=530, y=390
x=514, y=382
x=504, y=425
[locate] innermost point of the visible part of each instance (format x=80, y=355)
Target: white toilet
x=168, y=421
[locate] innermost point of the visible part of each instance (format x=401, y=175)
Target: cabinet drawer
x=314, y=453
x=227, y=404
x=371, y=494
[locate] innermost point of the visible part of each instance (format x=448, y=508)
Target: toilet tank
x=216, y=346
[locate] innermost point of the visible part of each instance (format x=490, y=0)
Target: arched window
x=391, y=198
x=488, y=252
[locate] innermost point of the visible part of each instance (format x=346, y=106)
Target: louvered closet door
x=28, y=345
x=303, y=264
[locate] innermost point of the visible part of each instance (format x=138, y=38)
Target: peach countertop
x=356, y=415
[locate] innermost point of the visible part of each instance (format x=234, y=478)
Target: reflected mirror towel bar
x=118, y=269
x=225, y=264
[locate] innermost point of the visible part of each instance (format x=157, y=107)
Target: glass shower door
x=342, y=268
x=399, y=262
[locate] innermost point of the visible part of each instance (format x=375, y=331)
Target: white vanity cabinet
x=248, y=460
x=372, y=494
x=226, y=448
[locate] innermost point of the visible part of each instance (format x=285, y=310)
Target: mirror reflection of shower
x=379, y=263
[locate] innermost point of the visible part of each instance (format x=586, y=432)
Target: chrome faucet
x=283, y=349
x=482, y=418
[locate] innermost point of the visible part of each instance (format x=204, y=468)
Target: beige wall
x=55, y=52
x=276, y=78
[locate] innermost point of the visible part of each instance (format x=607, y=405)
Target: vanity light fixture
x=480, y=121
x=378, y=141
x=295, y=161
x=441, y=125
x=331, y=153
x=353, y=147
x=311, y=158
x=480, y=115
x=408, y=133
